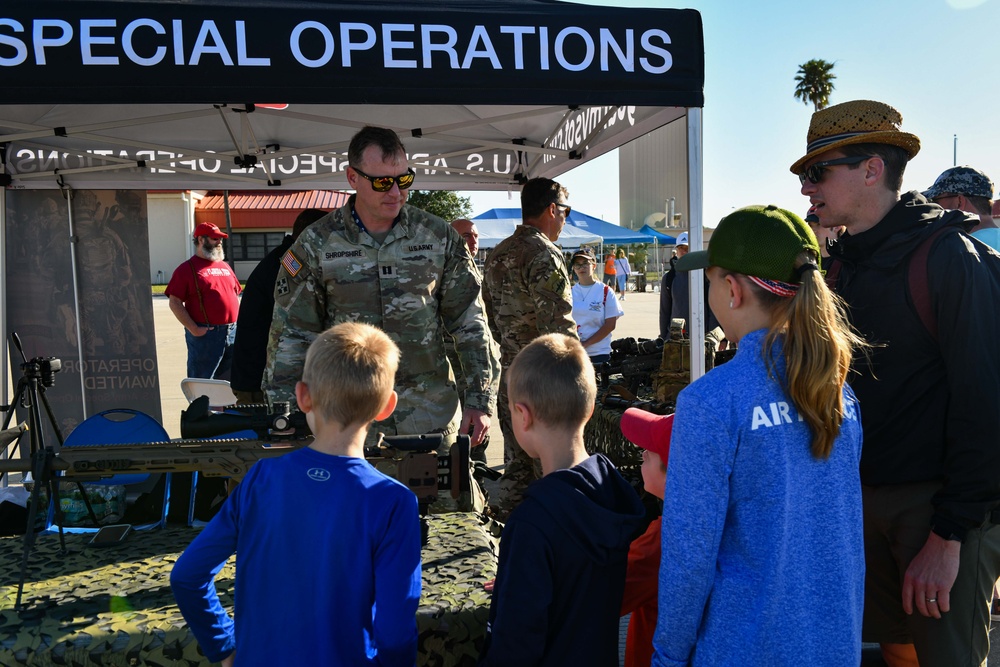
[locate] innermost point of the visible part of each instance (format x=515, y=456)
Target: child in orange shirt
x=651, y=433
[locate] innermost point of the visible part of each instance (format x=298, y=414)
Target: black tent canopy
x=251, y=94
x=484, y=94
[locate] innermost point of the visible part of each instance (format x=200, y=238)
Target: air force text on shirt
x=779, y=412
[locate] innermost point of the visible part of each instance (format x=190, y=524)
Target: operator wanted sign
x=105, y=308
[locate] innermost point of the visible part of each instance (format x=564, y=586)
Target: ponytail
x=819, y=343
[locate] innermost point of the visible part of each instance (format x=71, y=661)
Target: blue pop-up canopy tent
x=494, y=230
x=660, y=237
x=611, y=234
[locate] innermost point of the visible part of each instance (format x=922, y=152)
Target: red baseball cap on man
x=648, y=431
x=209, y=230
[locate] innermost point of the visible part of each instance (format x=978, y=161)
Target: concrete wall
x=171, y=223
x=652, y=169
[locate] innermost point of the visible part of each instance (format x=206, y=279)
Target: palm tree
x=815, y=83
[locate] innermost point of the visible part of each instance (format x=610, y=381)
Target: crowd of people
x=836, y=482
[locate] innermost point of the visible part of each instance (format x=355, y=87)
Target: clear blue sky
x=936, y=61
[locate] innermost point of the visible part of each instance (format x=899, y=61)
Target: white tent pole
x=4, y=376
x=68, y=194
x=696, y=238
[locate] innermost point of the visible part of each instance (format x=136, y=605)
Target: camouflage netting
x=604, y=435
x=113, y=606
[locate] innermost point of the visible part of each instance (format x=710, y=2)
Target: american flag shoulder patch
x=291, y=264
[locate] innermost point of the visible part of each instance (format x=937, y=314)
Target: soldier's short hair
x=350, y=370
x=537, y=194
x=554, y=376
x=383, y=138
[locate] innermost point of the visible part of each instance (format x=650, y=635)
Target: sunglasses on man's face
x=814, y=173
x=385, y=183
x=565, y=207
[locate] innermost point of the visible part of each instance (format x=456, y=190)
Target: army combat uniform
x=527, y=293
x=415, y=285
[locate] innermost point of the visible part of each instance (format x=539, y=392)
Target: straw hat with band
x=857, y=122
x=762, y=243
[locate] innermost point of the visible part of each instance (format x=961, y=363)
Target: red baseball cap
x=649, y=431
x=210, y=230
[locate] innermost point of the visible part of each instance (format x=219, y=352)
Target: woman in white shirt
x=595, y=308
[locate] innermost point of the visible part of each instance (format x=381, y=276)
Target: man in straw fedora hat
x=930, y=465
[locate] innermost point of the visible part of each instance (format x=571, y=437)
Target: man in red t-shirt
x=203, y=296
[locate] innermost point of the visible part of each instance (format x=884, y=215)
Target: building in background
x=258, y=221
x=652, y=171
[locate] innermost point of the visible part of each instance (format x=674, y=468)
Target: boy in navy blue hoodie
x=564, y=550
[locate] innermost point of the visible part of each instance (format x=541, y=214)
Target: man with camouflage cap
x=376, y=260
x=970, y=190
x=526, y=287
x=930, y=464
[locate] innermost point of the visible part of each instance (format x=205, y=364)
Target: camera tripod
x=38, y=374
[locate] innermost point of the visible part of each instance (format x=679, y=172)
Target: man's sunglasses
x=567, y=207
x=385, y=183
x=814, y=173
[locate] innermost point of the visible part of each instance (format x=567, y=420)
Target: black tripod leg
x=11, y=411
x=59, y=516
x=38, y=473
x=83, y=492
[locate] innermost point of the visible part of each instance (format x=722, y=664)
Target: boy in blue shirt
x=329, y=548
x=564, y=550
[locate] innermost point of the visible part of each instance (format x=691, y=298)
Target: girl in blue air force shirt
x=762, y=554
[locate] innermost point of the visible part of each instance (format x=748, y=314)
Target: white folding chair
x=220, y=394
x=218, y=391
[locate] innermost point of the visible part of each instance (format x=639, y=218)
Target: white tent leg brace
x=696, y=238
x=68, y=193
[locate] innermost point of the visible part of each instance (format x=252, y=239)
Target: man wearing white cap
x=204, y=297
x=930, y=464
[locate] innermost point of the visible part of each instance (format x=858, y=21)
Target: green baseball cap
x=761, y=241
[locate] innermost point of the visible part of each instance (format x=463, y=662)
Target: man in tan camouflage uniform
x=527, y=292
x=470, y=234
x=377, y=261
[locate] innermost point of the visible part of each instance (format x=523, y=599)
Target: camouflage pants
x=520, y=470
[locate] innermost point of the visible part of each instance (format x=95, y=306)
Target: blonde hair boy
x=350, y=370
x=318, y=504
x=554, y=376
x=564, y=549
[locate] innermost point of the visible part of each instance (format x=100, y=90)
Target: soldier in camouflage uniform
x=467, y=230
x=409, y=273
x=527, y=292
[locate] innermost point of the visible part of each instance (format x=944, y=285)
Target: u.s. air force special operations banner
x=445, y=52
x=100, y=326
